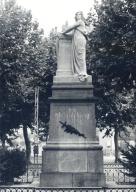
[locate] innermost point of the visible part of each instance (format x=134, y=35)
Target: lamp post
x=36, y=122
x=36, y=116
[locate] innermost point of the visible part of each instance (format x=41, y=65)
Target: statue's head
x=79, y=15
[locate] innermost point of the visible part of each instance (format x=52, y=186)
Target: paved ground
x=35, y=183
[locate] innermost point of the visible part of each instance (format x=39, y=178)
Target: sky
x=54, y=13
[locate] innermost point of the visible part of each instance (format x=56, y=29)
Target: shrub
x=128, y=160
x=12, y=164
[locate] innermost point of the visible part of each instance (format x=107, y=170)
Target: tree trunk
x=3, y=142
x=116, y=145
x=27, y=143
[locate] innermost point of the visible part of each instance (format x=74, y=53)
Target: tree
x=111, y=61
x=25, y=63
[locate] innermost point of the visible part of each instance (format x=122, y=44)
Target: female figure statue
x=78, y=46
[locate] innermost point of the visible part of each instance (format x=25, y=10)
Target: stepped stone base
x=72, y=179
x=73, y=166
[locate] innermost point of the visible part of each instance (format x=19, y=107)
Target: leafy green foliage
x=113, y=42
x=112, y=56
x=27, y=60
x=111, y=59
x=128, y=160
x=12, y=164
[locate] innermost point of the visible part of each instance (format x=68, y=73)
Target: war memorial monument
x=72, y=156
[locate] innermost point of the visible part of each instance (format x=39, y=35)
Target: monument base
x=72, y=179
x=72, y=165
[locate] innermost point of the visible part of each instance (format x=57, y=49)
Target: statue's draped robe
x=79, y=50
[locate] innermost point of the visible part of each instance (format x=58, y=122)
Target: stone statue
x=79, y=38
x=69, y=157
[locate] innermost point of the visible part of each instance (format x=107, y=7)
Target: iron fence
x=91, y=189
x=116, y=173
x=113, y=173
x=33, y=172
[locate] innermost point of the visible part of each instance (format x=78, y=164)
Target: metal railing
x=113, y=173
x=33, y=172
x=78, y=189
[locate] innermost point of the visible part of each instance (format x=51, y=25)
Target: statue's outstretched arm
x=71, y=28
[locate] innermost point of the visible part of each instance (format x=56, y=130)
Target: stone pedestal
x=70, y=160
